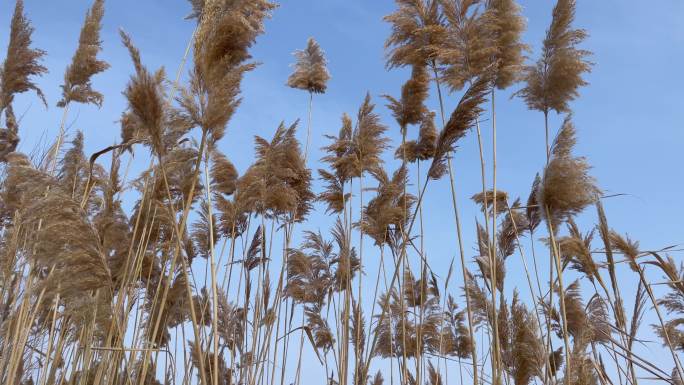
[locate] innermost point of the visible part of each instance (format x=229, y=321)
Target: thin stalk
x=492, y=252
x=458, y=233
x=556, y=259
x=308, y=128
x=546, y=130
x=214, y=290
x=492, y=264
x=60, y=138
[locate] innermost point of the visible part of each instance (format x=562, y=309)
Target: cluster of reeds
x=216, y=276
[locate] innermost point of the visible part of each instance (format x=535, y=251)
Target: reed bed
x=217, y=276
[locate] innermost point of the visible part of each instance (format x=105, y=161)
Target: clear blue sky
x=629, y=119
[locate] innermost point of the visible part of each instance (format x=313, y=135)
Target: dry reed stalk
x=491, y=249
x=460, y=240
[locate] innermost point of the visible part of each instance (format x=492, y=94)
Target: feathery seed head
x=552, y=83
x=310, y=72
x=77, y=85
x=566, y=187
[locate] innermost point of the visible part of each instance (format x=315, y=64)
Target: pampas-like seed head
x=68, y=244
x=377, y=379
x=21, y=63
x=417, y=33
x=576, y=250
x=198, y=356
x=486, y=201
x=566, y=187
x=553, y=81
x=278, y=183
x=323, y=337
x=387, y=211
x=205, y=232
x=512, y=227
x=227, y=29
x=342, y=155
x=468, y=50
x=368, y=138
x=424, y=147
x=410, y=108
x=675, y=377
x=434, y=376
x=527, y=349
x=427, y=137
x=506, y=25
x=333, y=194
x=462, y=119
x=145, y=96
x=225, y=32
x=224, y=176
x=576, y=316
x=77, y=86
x=533, y=211
x=626, y=246
x=310, y=72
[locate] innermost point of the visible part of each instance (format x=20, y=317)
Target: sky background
x=629, y=119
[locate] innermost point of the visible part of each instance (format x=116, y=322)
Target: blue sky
x=629, y=118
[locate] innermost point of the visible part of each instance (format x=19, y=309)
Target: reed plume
x=224, y=374
x=462, y=119
x=84, y=65
x=21, y=64
x=533, y=210
x=226, y=30
x=427, y=138
x=205, y=231
x=224, y=176
x=68, y=249
x=527, y=350
x=309, y=277
x=386, y=211
x=368, y=137
x=506, y=25
x=310, y=74
x=232, y=220
x=278, y=183
x=410, y=108
x=553, y=82
x=146, y=99
x=628, y=247
x=512, y=228
x=566, y=187
x=418, y=33
x=486, y=201
x=344, y=162
x=467, y=50
x=576, y=251
x=673, y=302
x=310, y=71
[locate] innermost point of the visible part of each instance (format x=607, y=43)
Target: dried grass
x=95, y=292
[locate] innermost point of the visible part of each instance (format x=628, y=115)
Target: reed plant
x=219, y=276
